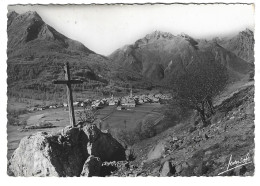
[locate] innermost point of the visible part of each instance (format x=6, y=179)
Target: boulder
x=43, y=154
x=174, y=139
x=92, y=167
x=240, y=171
x=157, y=151
x=184, y=165
x=64, y=153
x=167, y=169
x=208, y=153
x=178, y=168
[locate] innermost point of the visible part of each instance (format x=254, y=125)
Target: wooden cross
x=68, y=82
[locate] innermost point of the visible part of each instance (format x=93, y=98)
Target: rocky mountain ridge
x=242, y=45
x=159, y=55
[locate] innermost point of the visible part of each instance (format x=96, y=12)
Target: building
x=112, y=103
x=130, y=104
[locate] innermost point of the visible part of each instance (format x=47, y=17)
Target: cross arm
x=73, y=81
x=60, y=82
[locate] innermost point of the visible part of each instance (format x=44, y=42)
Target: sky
x=105, y=28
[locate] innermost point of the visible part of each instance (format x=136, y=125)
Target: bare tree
x=196, y=88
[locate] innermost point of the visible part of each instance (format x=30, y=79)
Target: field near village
x=111, y=119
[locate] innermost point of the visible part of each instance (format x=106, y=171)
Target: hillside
x=189, y=149
x=160, y=54
x=36, y=54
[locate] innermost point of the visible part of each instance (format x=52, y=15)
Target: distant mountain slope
x=36, y=53
x=28, y=29
x=242, y=45
x=160, y=54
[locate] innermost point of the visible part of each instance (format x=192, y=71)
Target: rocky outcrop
x=65, y=153
x=43, y=154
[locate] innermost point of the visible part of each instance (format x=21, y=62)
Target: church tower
x=131, y=93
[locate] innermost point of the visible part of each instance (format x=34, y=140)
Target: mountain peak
x=159, y=34
x=247, y=32
x=12, y=14
x=153, y=37
x=29, y=27
x=30, y=15
x=190, y=39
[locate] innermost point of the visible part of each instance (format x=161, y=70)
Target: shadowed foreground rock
x=103, y=145
x=64, y=153
x=92, y=167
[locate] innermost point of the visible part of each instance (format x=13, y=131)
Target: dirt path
x=231, y=91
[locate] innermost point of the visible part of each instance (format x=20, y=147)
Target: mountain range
x=160, y=53
x=36, y=53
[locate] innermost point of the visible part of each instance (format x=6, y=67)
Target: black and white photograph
x=130, y=90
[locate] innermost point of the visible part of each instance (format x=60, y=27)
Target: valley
x=165, y=105
x=112, y=119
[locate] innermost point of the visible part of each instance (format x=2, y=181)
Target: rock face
x=64, y=153
x=92, y=167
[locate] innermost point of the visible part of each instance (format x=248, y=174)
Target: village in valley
x=121, y=103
